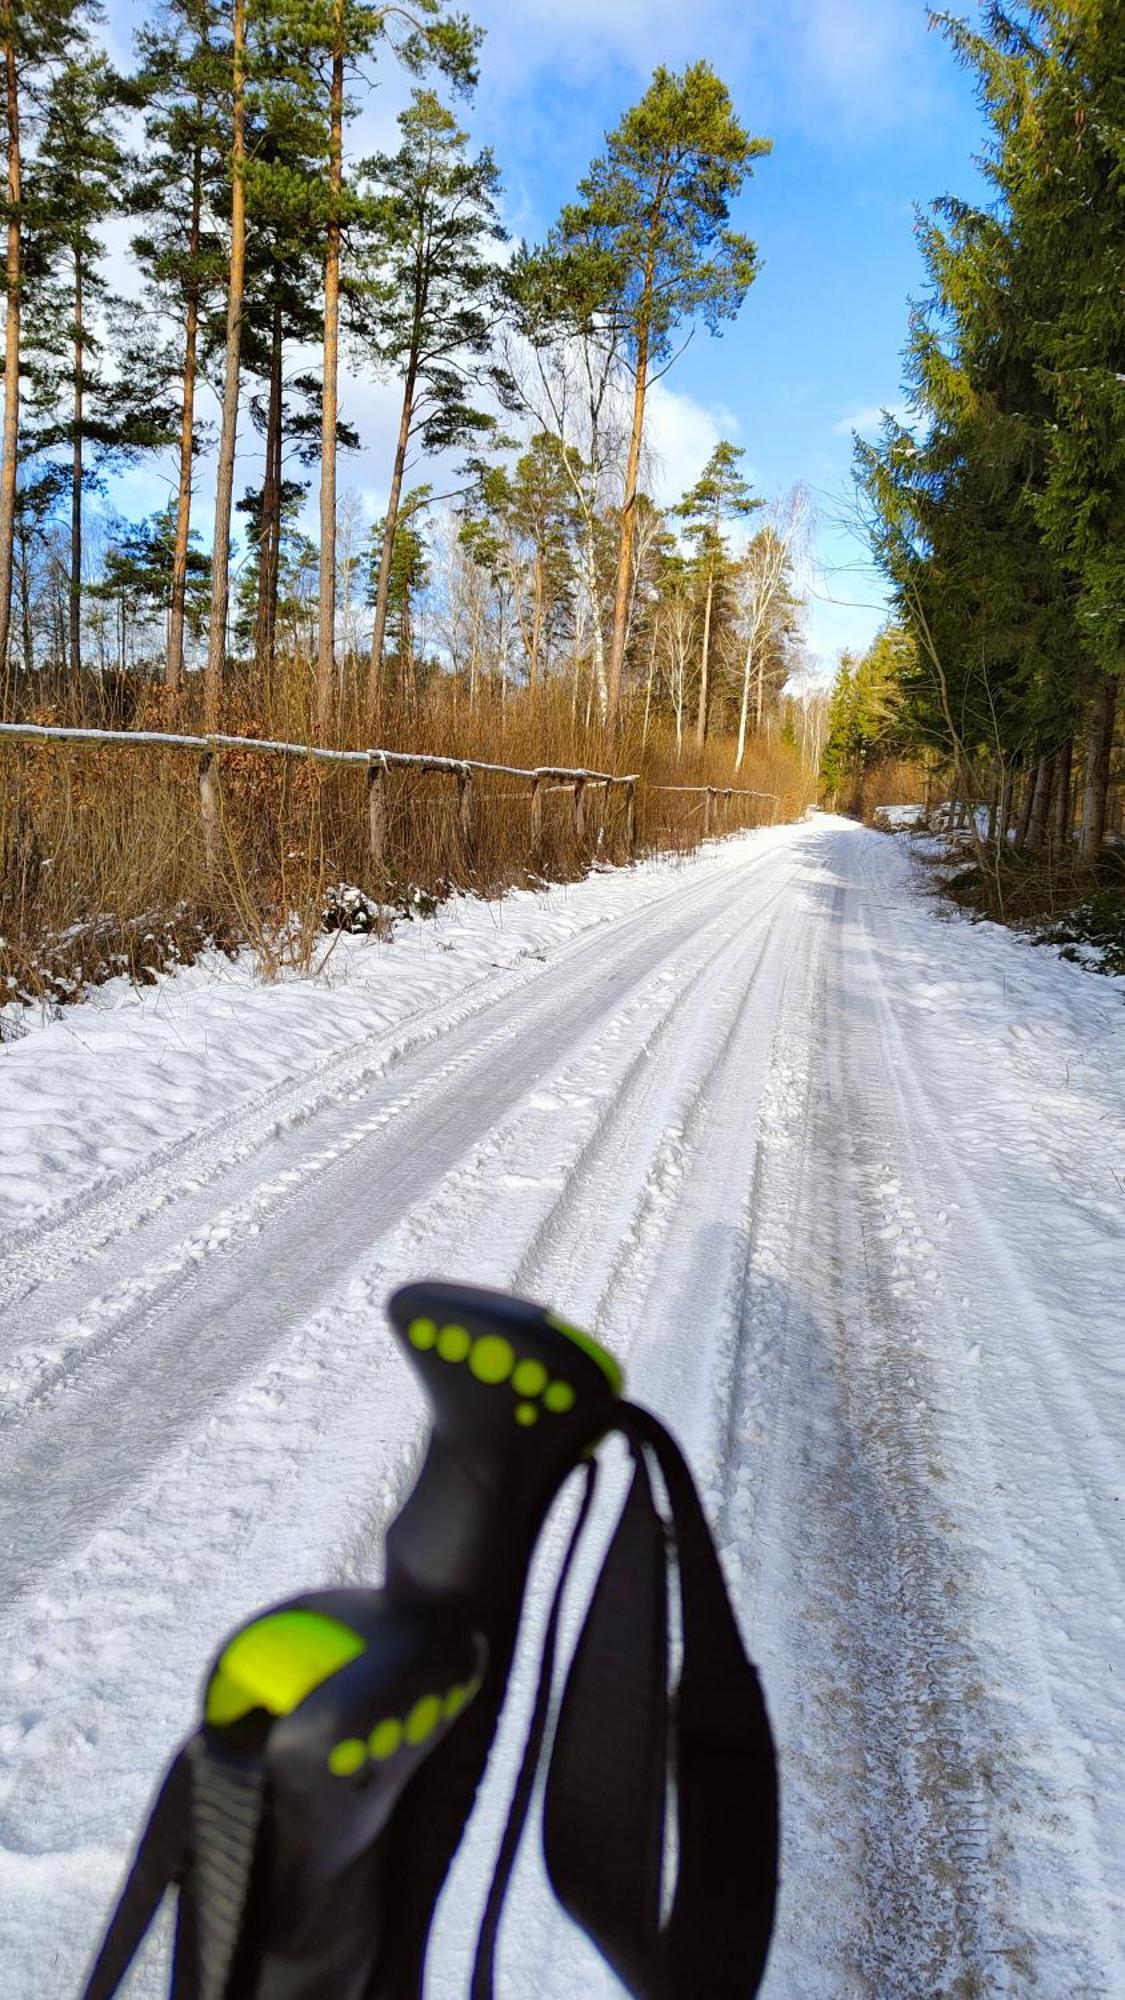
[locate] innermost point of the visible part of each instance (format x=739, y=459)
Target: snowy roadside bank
x=90, y=1093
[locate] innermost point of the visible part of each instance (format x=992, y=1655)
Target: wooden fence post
x=707, y=792
x=209, y=807
x=537, y=819
x=580, y=810
x=377, y=813
x=631, y=816
x=465, y=809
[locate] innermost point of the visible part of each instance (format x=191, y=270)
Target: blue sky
x=868, y=113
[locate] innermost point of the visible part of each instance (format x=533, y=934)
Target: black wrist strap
x=617, y=1745
x=484, y=1964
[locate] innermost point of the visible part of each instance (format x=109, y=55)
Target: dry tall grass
x=102, y=860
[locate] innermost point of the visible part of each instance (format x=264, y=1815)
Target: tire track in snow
x=85, y=1225
x=65, y=1453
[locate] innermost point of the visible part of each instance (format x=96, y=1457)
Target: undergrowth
x=1052, y=901
x=104, y=870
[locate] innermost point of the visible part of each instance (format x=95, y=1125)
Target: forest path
x=839, y=1182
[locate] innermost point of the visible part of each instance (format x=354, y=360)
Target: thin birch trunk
x=744, y=706
x=705, y=663
x=597, y=636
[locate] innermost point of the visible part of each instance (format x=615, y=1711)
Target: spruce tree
x=1051, y=79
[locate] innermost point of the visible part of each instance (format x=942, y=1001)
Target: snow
x=843, y=1185
x=899, y=819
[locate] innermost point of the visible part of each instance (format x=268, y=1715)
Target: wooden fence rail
x=540, y=778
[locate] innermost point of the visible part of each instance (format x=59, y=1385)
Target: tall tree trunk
x=326, y=616
x=14, y=281
x=597, y=635
x=269, y=526
x=228, y=435
x=1099, y=749
x=75, y=591
x=386, y=554
x=536, y=620
x=1007, y=794
x=1026, y=805
x=25, y=603
x=174, y=664
x=650, y=677
x=1041, y=804
x=705, y=664
x=1060, y=802
x=744, y=706
x=623, y=586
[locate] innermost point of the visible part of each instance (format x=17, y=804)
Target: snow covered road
x=844, y=1186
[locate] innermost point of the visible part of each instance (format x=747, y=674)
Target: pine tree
x=75, y=184
x=430, y=301
x=284, y=256
x=402, y=555
x=720, y=494
x=35, y=35
x=648, y=242
x=326, y=42
x=179, y=185
x=235, y=112
x=140, y=575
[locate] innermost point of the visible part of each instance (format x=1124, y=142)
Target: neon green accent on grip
x=526, y=1414
x=492, y=1359
x=276, y=1662
x=453, y=1343
x=530, y=1377
x=423, y=1718
x=559, y=1397
x=422, y=1334
x=590, y=1346
x=345, y=1758
x=385, y=1739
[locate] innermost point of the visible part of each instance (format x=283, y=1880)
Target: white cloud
x=680, y=435
x=837, y=69
x=575, y=38
x=868, y=419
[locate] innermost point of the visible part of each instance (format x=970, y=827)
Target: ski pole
x=310, y=1821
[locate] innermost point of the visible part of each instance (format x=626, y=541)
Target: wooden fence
x=541, y=779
